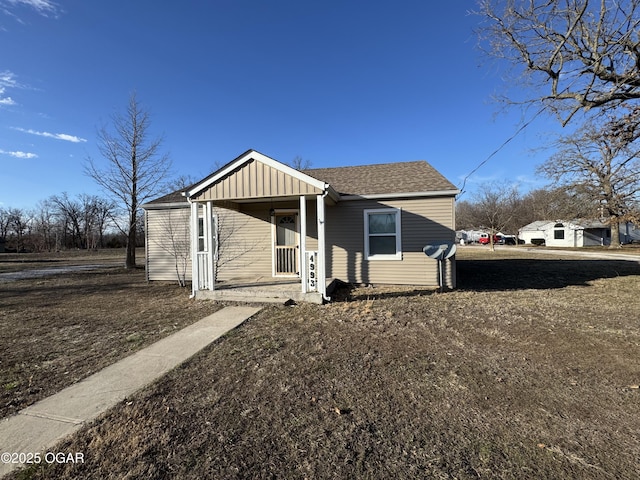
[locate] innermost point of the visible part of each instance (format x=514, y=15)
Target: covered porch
x=258, y=230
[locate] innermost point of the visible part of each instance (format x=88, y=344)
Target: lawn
x=529, y=370
x=59, y=329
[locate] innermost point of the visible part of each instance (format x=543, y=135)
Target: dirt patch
x=514, y=380
x=59, y=329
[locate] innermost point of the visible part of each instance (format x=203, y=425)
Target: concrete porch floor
x=262, y=290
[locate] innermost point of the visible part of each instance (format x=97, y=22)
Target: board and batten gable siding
x=256, y=180
x=161, y=226
x=423, y=221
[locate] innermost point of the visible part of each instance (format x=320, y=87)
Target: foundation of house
x=263, y=290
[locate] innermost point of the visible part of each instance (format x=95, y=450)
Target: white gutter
x=377, y=196
x=193, y=224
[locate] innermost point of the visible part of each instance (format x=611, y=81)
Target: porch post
x=208, y=231
x=321, y=269
x=303, y=243
x=194, y=248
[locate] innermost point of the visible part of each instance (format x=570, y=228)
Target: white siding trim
x=398, y=254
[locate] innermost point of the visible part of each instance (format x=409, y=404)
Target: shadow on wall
x=521, y=274
x=345, y=232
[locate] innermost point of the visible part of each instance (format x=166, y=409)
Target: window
x=382, y=234
x=201, y=234
x=558, y=232
x=203, y=242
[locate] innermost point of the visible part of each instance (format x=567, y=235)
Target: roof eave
x=378, y=196
x=159, y=206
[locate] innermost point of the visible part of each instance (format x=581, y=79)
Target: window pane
x=286, y=231
x=558, y=234
x=382, y=245
x=382, y=223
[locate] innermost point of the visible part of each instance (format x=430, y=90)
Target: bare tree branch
x=576, y=54
x=602, y=161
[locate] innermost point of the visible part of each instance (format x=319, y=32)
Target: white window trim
x=398, y=254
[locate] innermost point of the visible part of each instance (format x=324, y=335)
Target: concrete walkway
x=37, y=428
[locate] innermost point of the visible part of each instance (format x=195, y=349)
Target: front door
x=286, y=244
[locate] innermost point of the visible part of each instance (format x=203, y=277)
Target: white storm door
x=286, y=244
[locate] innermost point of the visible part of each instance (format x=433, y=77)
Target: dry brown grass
x=529, y=370
x=59, y=329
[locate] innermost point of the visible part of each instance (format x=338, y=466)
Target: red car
x=484, y=239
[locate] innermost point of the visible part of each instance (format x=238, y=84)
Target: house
x=575, y=233
x=257, y=218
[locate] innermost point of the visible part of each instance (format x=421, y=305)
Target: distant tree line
x=501, y=207
x=61, y=222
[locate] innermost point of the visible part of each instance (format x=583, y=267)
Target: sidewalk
x=39, y=427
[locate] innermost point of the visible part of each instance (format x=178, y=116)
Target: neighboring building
x=259, y=218
x=575, y=233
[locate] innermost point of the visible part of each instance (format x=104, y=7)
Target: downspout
x=146, y=245
x=194, y=262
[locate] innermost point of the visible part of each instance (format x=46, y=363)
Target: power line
x=504, y=144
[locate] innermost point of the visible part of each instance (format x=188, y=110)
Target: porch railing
x=203, y=270
x=286, y=260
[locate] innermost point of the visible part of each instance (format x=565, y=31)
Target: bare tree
x=299, y=163
x=4, y=222
x=135, y=167
x=19, y=222
x=229, y=245
x=601, y=161
x=494, y=207
x=559, y=203
x=180, y=183
x=575, y=54
x=70, y=215
x=44, y=226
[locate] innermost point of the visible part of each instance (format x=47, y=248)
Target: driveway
x=44, y=272
x=599, y=255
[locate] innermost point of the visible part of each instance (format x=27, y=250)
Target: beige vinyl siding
x=161, y=226
x=423, y=221
x=246, y=235
x=245, y=242
x=256, y=180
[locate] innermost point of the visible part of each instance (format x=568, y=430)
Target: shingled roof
x=383, y=178
x=379, y=179
x=173, y=197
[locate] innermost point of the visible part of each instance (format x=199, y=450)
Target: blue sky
x=334, y=82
